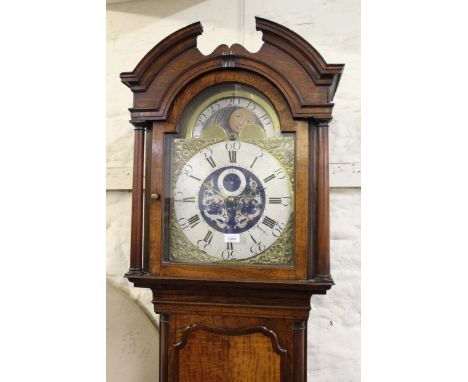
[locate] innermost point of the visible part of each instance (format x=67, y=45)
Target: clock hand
x=214, y=190
x=252, y=190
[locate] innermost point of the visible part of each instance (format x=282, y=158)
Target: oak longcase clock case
x=230, y=213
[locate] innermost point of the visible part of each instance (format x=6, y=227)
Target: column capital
x=139, y=125
x=323, y=122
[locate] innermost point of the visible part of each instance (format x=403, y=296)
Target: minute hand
x=214, y=190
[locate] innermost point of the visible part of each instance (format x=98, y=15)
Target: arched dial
x=232, y=191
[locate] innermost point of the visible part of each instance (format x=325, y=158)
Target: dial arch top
x=285, y=59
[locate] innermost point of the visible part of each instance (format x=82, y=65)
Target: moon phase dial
x=231, y=112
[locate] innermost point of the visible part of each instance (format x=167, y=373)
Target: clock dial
x=232, y=200
x=232, y=172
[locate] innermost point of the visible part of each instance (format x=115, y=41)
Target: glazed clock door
x=232, y=182
x=230, y=186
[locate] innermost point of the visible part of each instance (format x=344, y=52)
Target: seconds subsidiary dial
x=232, y=200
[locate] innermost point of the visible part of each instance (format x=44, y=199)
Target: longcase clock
x=230, y=213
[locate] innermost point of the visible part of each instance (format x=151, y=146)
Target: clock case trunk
x=255, y=317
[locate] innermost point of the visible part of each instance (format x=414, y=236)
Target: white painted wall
x=331, y=26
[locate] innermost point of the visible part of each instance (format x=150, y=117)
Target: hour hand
x=251, y=191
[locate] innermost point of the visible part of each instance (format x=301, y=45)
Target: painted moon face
x=241, y=117
x=227, y=117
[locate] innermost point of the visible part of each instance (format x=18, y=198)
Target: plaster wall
x=332, y=27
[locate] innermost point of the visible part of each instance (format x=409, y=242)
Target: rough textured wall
x=330, y=26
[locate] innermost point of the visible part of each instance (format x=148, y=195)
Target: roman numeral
x=268, y=178
x=194, y=177
x=179, y=198
x=193, y=221
x=208, y=237
x=257, y=247
x=275, y=200
x=260, y=228
x=269, y=222
x=253, y=239
x=211, y=162
x=232, y=156
x=277, y=174
x=229, y=253
x=232, y=148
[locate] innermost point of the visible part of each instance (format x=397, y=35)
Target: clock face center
x=231, y=200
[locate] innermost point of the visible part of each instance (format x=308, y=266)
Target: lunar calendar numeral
x=265, y=119
x=214, y=107
x=234, y=101
x=251, y=106
x=269, y=222
x=202, y=119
